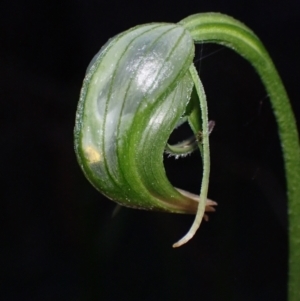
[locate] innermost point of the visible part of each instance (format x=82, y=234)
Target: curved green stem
x=221, y=29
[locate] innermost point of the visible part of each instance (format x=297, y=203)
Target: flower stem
x=221, y=29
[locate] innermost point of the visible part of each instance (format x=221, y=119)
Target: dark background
x=57, y=238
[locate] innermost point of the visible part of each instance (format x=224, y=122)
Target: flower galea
x=137, y=88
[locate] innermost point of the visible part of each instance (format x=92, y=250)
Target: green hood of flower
x=135, y=91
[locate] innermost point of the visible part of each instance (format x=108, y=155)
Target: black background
x=58, y=240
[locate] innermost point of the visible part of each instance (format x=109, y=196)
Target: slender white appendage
x=195, y=225
x=205, y=158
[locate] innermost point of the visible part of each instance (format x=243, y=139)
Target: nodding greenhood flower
x=136, y=90
x=142, y=84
